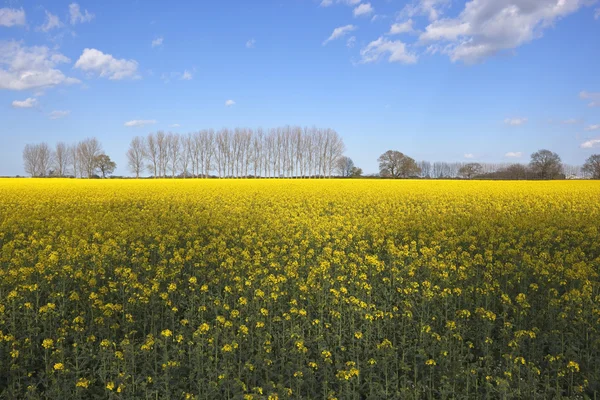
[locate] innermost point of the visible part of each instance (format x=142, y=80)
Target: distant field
x=348, y=289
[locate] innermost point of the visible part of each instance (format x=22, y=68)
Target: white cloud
x=593, y=96
x=12, y=16
x=105, y=65
x=592, y=127
x=57, y=114
x=444, y=30
x=327, y=3
x=590, y=144
x=52, y=21
x=175, y=126
x=351, y=42
x=138, y=123
x=597, y=13
x=469, y=155
x=513, y=154
x=570, y=121
x=23, y=68
x=402, y=27
x=433, y=9
x=363, y=9
x=30, y=102
x=187, y=75
x=229, y=103
x=515, y=121
x=158, y=41
x=486, y=27
x=76, y=16
x=250, y=43
x=382, y=46
x=339, y=32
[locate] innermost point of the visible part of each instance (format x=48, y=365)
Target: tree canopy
x=395, y=164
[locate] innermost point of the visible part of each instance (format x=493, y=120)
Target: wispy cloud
x=187, y=75
x=52, y=22
x=339, y=32
x=59, y=114
x=594, y=98
x=138, y=123
x=515, y=121
x=78, y=17
x=229, y=103
x=570, y=121
x=158, y=41
x=30, y=102
x=402, y=27
x=363, y=10
x=394, y=50
x=351, y=42
x=592, y=127
x=469, y=155
x=12, y=17
x=327, y=3
x=514, y=154
x=250, y=44
x=590, y=144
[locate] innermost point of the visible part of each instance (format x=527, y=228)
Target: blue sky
x=482, y=80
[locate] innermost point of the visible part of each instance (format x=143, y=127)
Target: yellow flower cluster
x=208, y=289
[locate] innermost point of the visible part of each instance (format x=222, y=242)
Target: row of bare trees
x=82, y=159
x=441, y=169
x=289, y=151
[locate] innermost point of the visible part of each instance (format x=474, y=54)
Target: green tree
x=395, y=164
x=105, y=165
x=545, y=164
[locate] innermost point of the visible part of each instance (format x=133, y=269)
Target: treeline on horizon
x=283, y=152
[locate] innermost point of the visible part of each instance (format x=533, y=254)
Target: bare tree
x=45, y=158
x=470, y=170
x=334, y=149
x=162, y=143
x=187, y=145
x=37, y=159
x=31, y=160
x=425, y=167
x=173, y=152
x=345, y=166
x=62, y=158
x=573, y=171
x=88, y=150
x=152, y=154
x=136, y=155
x=592, y=166
x=74, y=159
x=223, y=152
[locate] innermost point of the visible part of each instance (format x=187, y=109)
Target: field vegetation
x=277, y=289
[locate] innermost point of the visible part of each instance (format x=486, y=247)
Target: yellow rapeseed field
x=316, y=289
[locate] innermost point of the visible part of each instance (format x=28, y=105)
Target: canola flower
x=210, y=289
